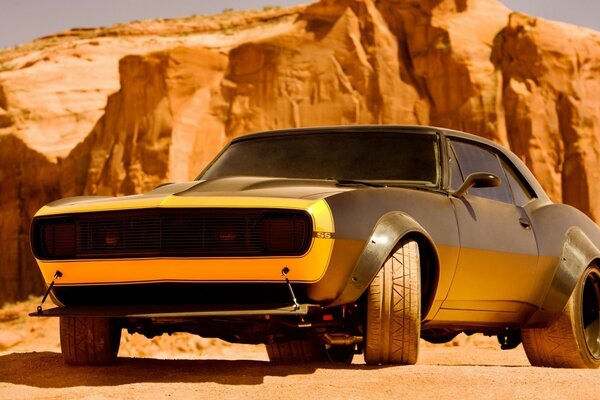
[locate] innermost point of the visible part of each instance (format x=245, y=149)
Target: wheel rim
x=591, y=312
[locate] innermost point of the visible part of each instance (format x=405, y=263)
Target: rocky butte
x=118, y=110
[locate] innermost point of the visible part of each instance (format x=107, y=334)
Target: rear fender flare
x=384, y=238
x=578, y=253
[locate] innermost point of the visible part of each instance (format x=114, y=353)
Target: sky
x=24, y=20
x=579, y=12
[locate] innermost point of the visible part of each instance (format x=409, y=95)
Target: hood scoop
x=261, y=187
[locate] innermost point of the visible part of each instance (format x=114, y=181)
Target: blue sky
x=579, y=12
x=25, y=20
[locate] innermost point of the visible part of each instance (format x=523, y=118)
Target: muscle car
x=327, y=242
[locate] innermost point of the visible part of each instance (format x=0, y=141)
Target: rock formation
x=118, y=110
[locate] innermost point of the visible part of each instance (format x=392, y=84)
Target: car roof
x=418, y=129
x=339, y=129
x=366, y=129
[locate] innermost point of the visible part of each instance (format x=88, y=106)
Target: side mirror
x=477, y=180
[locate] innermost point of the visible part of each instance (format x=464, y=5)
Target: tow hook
x=284, y=273
x=57, y=276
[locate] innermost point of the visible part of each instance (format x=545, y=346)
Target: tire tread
x=561, y=344
x=393, y=311
x=88, y=340
x=296, y=351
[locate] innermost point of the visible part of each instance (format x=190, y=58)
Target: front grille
x=172, y=233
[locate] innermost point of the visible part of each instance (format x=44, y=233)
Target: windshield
x=384, y=157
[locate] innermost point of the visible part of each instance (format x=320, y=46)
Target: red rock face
x=169, y=103
x=27, y=180
x=157, y=127
x=551, y=89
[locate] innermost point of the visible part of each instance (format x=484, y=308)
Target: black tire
x=340, y=354
x=394, y=309
x=307, y=351
x=89, y=341
x=296, y=351
x=573, y=339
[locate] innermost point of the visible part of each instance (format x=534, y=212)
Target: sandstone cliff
x=118, y=110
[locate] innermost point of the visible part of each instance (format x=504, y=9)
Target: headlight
x=53, y=239
x=286, y=234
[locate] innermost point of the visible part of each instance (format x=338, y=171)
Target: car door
x=498, y=252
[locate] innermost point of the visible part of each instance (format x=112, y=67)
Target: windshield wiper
x=352, y=182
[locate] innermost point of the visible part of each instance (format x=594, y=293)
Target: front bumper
x=179, y=311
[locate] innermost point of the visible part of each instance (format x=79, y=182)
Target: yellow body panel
x=309, y=267
x=448, y=256
x=493, y=285
x=498, y=291
x=448, y=317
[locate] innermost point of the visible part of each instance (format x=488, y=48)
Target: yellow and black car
x=327, y=242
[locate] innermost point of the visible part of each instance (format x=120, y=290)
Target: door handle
x=525, y=222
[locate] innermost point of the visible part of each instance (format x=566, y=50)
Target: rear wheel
x=301, y=351
x=340, y=354
x=89, y=340
x=573, y=339
x=296, y=351
x=394, y=309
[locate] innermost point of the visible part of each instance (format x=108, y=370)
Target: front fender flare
x=388, y=232
x=577, y=254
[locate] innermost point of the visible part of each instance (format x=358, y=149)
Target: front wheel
x=394, y=309
x=89, y=340
x=573, y=339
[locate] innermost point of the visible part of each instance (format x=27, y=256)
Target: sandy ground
x=185, y=366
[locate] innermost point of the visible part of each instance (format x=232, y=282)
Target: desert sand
x=185, y=366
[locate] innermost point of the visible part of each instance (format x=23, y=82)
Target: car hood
x=230, y=191
x=261, y=187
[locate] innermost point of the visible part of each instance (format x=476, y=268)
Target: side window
x=471, y=159
x=520, y=193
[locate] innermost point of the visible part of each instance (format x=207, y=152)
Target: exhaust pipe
x=341, y=339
